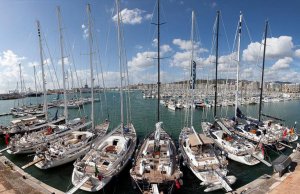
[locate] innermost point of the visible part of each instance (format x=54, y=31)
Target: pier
x=15, y=180
x=4, y=114
x=274, y=184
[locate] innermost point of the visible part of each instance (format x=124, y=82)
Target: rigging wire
x=51, y=62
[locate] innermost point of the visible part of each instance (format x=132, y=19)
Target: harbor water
x=144, y=115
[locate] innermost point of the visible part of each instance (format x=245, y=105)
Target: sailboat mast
x=45, y=107
x=192, y=84
x=88, y=9
x=238, y=64
x=216, y=73
x=62, y=63
x=21, y=83
x=120, y=64
x=158, y=61
x=34, y=72
x=262, y=73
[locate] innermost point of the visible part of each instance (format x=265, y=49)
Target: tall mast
x=192, y=84
x=238, y=64
x=88, y=9
x=262, y=73
x=21, y=84
x=120, y=64
x=217, y=53
x=158, y=61
x=192, y=76
x=34, y=72
x=45, y=107
x=62, y=63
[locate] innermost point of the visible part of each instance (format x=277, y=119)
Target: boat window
x=214, y=136
x=238, y=129
x=115, y=142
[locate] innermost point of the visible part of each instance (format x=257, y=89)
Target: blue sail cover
x=193, y=75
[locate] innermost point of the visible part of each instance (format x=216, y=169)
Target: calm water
x=144, y=117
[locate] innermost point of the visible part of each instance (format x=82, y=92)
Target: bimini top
x=194, y=141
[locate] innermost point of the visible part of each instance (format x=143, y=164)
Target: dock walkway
x=14, y=180
x=273, y=184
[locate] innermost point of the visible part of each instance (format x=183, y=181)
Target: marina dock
x=4, y=114
x=273, y=184
x=15, y=180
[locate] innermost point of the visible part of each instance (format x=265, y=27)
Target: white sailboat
x=236, y=148
x=74, y=145
x=28, y=143
x=156, y=166
x=110, y=155
x=254, y=130
x=64, y=149
x=197, y=150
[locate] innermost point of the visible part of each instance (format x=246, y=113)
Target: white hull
x=115, y=165
x=172, y=107
x=32, y=147
x=61, y=161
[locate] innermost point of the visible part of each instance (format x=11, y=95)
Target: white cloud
x=143, y=60
x=47, y=61
x=154, y=42
x=132, y=16
x=66, y=61
x=9, y=58
x=148, y=16
x=33, y=64
x=183, y=58
x=276, y=48
x=139, y=47
x=247, y=73
x=183, y=44
x=9, y=74
x=85, y=31
x=165, y=49
x=297, y=53
x=283, y=63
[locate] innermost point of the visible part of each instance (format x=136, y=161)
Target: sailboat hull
x=99, y=180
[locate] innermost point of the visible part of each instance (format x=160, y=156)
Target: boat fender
x=177, y=184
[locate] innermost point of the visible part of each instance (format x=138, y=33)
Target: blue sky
x=19, y=41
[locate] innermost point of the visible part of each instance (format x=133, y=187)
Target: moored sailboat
x=197, y=150
x=110, y=154
x=156, y=166
x=236, y=148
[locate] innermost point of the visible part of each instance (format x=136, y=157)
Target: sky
x=19, y=41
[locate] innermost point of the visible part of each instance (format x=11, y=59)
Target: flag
x=7, y=139
x=284, y=133
x=193, y=75
x=177, y=184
